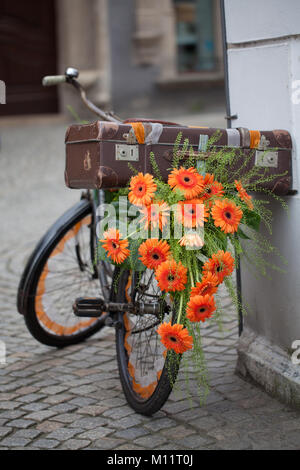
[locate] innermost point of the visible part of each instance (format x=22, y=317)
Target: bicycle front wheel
x=147, y=371
x=61, y=269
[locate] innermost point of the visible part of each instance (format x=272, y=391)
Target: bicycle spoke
x=146, y=354
x=68, y=273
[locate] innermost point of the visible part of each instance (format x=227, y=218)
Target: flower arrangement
x=191, y=229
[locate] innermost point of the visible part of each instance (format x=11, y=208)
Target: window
x=194, y=35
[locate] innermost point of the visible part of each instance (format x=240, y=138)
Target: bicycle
x=66, y=297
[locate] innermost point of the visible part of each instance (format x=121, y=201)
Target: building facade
x=127, y=51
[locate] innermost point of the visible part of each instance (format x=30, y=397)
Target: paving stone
x=12, y=414
x=82, y=402
x=66, y=417
x=178, y=406
x=175, y=431
x=15, y=442
x=9, y=405
x=21, y=423
x=63, y=408
x=113, y=402
x=40, y=415
x=92, y=410
x=89, y=423
x=95, y=433
x=132, y=433
x=116, y=413
x=57, y=399
x=194, y=442
x=48, y=426
x=33, y=397
x=27, y=433
x=157, y=425
x=107, y=443
x=207, y=423
x=53, y=390
x=34, y=407
x=4, y=431
x=46, y=443
x=129, y=446
x=75, y=444
x=84, y=390
x=150, y=442
x=239, y=444
x=26, y=390
x=63, y=434
x=169, y=446
x=127, y=422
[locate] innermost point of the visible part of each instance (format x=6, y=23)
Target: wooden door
x=27, y=53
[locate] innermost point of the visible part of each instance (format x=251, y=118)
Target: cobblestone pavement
x=72, y=398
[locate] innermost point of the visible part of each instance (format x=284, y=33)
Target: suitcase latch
x=266, y=159
x=127, y=152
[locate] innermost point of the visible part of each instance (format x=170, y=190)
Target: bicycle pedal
x=89, y=307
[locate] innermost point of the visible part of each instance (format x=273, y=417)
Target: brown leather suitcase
x=97, y=154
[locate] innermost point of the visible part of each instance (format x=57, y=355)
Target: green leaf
x=221, y=239
x=242, y=234
x=252, y=219
x=201, y=257
x=102, y=254
x=238, y=248
x=134, y=259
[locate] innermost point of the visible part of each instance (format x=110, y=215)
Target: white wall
x=261, y=80
x=252, y=20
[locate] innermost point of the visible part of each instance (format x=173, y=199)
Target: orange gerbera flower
x=212, y=189
x=192, y=213
x=200, y=307
x=156, y=213
x=226, y=215
x=191, y=240
x=187, y=180
x=208, y=285
x=154, y=252
x=175, y=337
x=142, y=189
x=116, y=248
x=171, y=276
x=221, y=264
x=243, y=194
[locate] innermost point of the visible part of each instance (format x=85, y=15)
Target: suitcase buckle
x=127, y=152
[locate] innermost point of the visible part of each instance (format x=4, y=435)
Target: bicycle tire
x=151, y=401
x=29, y=297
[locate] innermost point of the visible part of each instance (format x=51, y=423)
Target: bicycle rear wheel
x=147, y=370
x=62, y=269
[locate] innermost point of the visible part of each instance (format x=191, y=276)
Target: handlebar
x=70, y=77
x=51, y=80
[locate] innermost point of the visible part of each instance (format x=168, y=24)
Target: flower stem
x=196, y=269
x=192, y=278
x=130, y=235
x=191, y=273
x=180, y=308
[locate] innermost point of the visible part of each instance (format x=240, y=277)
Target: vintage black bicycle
x=66, y=294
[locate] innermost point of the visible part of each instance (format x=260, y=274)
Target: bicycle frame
x=96, y=307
